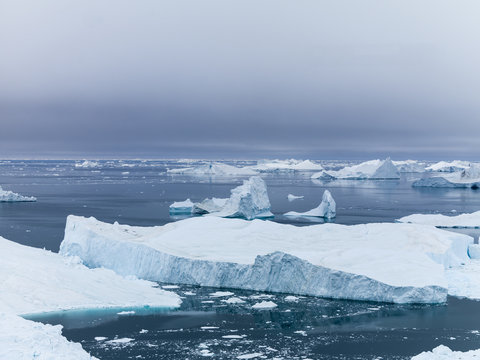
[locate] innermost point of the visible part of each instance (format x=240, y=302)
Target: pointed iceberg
x=326, y=209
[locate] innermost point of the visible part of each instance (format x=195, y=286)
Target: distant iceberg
x=326, y=209
x=213, y=169
x=401, y=263
x=87, y=164
x=452, y=166
x=467, y=178
x=286, y=165
x=292, y=197
x=181, y=207
x=443, y=352
x=9, y=196
x=410, y=166
x=442, y=221
x=372, y=170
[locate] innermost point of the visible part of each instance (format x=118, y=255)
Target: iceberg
x=453, y=166
x=399, y=263
x=286, y=166
x=326, y=209
x=213, y=169
x=209, y=206
x=87, y=164
x=181, y=207
x=292, y=197
x=373, y=170
x=410, y=166
x=9, y=196
x=467, y=178
x=443, y=221
x=443, y=352
x=22, y=339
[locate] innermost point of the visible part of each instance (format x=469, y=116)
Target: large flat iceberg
x=443, y=221
x=326, y=209
x=373, y=170
x=213, y=169
x=286, y=166
x=467, y=178
x=9, y=196
x=400, y=263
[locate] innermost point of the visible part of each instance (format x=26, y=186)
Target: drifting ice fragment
x=326, y=209
x=181, y=207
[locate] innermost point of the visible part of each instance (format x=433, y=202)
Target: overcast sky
x=240, y=79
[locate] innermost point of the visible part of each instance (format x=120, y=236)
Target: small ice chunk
x=291, y=298
x=264, y=305
x=221, y=294
x=250, y=356
x=100, y=338
x=181, y=207
x=126, y=313
x=292, y=197
x=233, y=336
x=234, y=300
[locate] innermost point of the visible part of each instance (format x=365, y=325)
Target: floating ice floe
x=9, y=196
x=87, y=164
x=410, y=166
x=443, y=221
x=401, y=263
x=213, y=169
x=248, y=201
x=373, y=170
x=326, y=209
x=292, y=197
x=442, y=352
x=264, y=305
x=467, y=178
x=286, y=165
x=37, y=281
x=181, y=207
x=452, y=166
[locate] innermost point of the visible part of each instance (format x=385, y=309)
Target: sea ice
x=264, y=305
x=9, y=196
x=181, y=207
x=373, y=170
x=326, y=209
x=402, y=263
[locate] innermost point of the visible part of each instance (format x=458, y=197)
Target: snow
x=264, y=305
x=410, y=166
x=38, y=281
x=9, y=196
x=373, y=169
x=181, y=207
x=380, y=262
x=326, y=209
x=248, y=201
x=213, y=169
x=442, y=352
x=286, y=165
x=466, y=178
x=292, y=197
x=443, y=221
x=452, y=166
x=22, y=339
x=87, y=164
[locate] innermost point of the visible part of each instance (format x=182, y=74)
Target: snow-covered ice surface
x=443, y=221
x=9, y=196
x=373, y=170
x=380, y=262
x=443, y=352
x=286, y=165
x=326, y=209
x=22, y=339
x=446, y=166
x=213, y=169
x=466, y=178
x=181, y=207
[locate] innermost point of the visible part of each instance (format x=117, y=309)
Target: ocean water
x=139, y=193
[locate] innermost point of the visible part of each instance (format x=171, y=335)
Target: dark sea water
x=139, y=193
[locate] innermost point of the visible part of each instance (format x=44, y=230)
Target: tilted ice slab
x=35, y=281
x=326, y=209
x=409, y=166
x=442, y=221
x=213, y=169
x=452, y=166
x=9, y=196
x=400, y=263
x=22, y=339
x=286, y=165
x=443, y=352
x=467, y=178
x=373, y=169
x=208, y=206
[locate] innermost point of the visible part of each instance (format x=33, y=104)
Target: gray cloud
x=321, y=79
